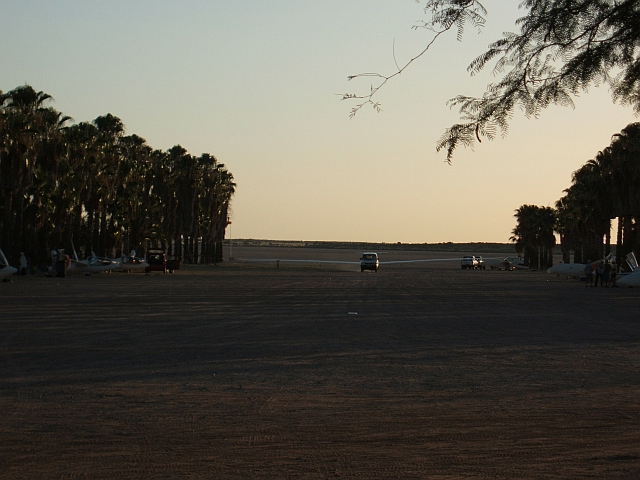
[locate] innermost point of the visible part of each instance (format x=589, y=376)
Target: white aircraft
x=93, y=263
x=574, y=269
x=516, y=262
x=5, y=268
x=632, y=279
x=570, y=269
x=131, y=263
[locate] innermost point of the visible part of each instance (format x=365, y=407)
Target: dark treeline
x=534, y=235
x=90, y=184
x=605, y=188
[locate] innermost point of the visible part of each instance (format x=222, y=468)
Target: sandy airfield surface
x=242, y=371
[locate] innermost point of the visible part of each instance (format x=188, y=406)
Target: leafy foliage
x=563, y=47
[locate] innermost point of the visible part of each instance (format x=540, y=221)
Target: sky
x=258, y=85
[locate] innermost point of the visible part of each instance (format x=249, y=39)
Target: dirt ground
x=246, y=371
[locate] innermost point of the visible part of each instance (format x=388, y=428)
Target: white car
x=369, y=261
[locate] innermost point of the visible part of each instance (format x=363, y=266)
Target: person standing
x=599, y=272
x=606, y=273
x=614, y=274
x=23, y=264
x=61, y=264
x=588, y=273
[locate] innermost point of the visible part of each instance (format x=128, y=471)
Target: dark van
x=157, y=260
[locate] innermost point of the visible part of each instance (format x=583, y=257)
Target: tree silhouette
x=563, y=47
x=92, y=186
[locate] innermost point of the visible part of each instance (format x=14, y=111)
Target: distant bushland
x=482, y=247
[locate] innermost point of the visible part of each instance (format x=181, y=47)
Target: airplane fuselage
x=7, y=270
x=93, y=265
x=630, y=280
x=569, y=269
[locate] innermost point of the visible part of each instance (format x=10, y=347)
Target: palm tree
x=568, y=227
x=48, y=206
x=29, y=137
x=110, y=130
x=81, y=157
x=534, y=235
x=218, y=187
x=132, y=212
x=588, y=198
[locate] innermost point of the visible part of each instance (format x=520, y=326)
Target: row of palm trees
x=607, y=187
x=108, y=192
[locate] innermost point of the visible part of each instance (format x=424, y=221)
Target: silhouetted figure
x=588, y=273
x=599, y=272
x=606, y=273
x=61, y=264
x=23, y=264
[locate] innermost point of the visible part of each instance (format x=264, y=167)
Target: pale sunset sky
x=257, y=85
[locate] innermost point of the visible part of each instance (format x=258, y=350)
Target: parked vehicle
x=369, y=261
x=157, y=260
x=173, y=263
x=469, y=262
